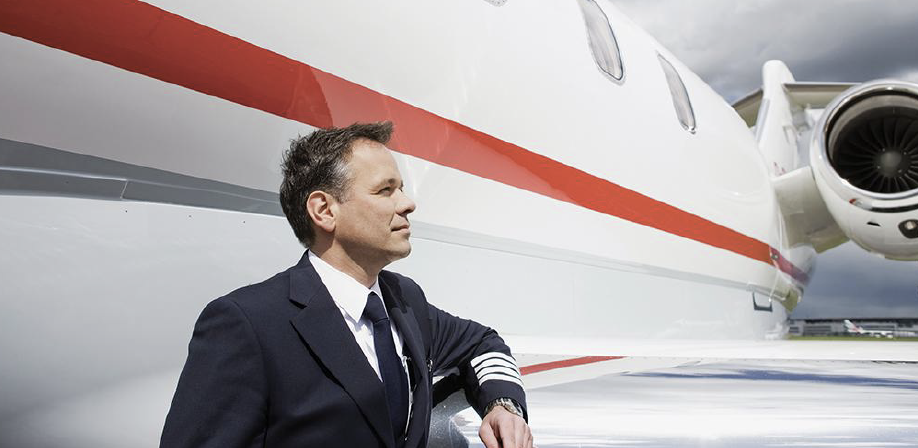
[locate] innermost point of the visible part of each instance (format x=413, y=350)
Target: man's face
x=372, y=219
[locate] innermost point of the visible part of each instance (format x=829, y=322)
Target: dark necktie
x=390, y=365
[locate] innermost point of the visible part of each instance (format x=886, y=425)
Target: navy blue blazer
x=274, y=365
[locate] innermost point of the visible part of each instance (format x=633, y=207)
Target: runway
x=725, y=403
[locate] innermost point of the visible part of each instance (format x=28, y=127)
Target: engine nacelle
x=864, y=156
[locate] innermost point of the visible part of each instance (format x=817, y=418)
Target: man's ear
x=322, y=208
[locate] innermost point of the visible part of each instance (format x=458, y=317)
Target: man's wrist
x=507, y=403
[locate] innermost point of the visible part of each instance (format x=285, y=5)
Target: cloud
x=850, y=282
x=727, y=42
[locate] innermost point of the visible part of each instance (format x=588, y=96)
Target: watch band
x=507, y=403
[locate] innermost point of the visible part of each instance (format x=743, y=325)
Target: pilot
x=335, y=351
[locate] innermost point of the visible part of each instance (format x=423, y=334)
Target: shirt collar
x=348, y=294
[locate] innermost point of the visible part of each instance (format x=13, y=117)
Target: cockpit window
x=681, y=100
x=602, y=40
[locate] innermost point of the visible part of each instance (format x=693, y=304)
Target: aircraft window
x=602, y=40
x=681, y=100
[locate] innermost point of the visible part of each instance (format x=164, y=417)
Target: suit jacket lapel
x=406, y=323
x=323, y=329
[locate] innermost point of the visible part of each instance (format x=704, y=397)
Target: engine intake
x=873, y=144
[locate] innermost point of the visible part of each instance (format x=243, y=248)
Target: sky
x=727, y=41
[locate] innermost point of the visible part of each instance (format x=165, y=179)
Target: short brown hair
x=318, y=162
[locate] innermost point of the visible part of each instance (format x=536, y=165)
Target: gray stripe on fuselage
x=28, y=169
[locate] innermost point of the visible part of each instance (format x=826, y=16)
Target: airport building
x=836, y=327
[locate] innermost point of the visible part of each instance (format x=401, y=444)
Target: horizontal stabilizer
x=812, y=94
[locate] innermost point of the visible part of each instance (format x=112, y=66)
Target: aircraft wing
x=710, y=394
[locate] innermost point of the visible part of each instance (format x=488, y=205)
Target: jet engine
x=864, y=156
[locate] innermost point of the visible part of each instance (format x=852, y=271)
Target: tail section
x=852, y=328
x=775, y=129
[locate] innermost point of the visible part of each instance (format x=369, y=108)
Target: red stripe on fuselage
x=144, y=39
x=535, y=368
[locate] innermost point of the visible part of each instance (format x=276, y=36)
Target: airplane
x=856, y=329
x=604, y=199
x=853, y=328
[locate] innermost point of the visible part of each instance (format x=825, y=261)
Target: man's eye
x=386, y=190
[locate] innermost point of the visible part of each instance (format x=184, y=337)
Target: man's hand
x=503, y=429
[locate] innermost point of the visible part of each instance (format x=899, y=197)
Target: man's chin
x=405, y=252
x=401, y=251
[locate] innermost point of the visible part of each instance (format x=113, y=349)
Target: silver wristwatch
x=506, y=403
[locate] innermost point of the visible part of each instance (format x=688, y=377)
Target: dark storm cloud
x=727, y=42
x=850, y=282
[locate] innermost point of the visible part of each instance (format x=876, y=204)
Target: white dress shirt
x=351, y=298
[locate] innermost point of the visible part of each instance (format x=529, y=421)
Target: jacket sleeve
x=220, y=400
x=485, y=364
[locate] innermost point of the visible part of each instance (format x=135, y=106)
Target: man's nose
x=405, y=204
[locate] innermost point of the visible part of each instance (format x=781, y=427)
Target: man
x=335, y=351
